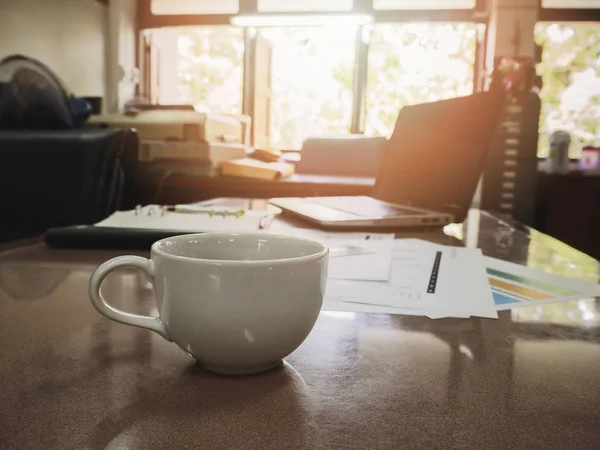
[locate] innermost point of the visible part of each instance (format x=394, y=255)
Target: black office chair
x=59, y=178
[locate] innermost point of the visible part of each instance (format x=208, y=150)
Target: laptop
x=429, y=173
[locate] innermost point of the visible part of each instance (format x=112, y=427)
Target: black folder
x=122, y=238
x=92, y=237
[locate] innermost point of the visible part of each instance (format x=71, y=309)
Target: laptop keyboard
x=363, y=206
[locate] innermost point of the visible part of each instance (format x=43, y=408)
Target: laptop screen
x=437, y=153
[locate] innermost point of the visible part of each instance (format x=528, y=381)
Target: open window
x=412, y=63
x=308, y=68
x=571, y=84
x=201, y=66
x=312, y=75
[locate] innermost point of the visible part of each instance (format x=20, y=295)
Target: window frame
x=478, y=15
x=567, y=14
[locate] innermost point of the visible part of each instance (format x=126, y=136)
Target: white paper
x=461, y=288
x=150, y=217
x=320, y=235
x=359, y=259
x=514, y=285
x=373, y=266
x=337, y=305
x=511, y=292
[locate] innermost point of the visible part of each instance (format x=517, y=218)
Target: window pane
x=416, y=63
x=424, y=4
x=571, y=83
x=312, y=82
x=304, y=5
x=202, y=66
x=571, y=4
x=165, y=7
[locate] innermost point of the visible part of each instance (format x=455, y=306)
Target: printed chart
x=515, y=285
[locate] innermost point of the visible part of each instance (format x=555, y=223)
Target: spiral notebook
x=138, y=229
x=192, y=219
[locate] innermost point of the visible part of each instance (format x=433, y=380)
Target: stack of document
x=408, y=277
x=375, y=273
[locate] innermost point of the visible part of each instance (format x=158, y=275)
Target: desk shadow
x=199, y=409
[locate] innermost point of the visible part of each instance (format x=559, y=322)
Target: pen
x=189, y=209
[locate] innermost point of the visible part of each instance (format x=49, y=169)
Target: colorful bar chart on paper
x=505, y=291
x=516, y=285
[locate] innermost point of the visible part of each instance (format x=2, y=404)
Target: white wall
x=69, y=36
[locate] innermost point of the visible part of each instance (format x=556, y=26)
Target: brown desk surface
x=69, y=378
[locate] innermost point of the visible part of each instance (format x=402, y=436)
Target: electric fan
x=34, y=98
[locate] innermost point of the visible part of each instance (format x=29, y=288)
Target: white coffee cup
x=237, y=302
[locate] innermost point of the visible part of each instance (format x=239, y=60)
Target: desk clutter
x=253, y=168
x=139, y=228
x=198, y=144
x=368, y=272
x=261, y=164
x=437, y=281
x=186, y=218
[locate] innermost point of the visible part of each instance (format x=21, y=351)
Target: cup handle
x=146, y=266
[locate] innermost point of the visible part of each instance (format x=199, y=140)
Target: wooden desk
x=70, y=378
x=173, y=189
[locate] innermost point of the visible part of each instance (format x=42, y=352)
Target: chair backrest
x=353, y=155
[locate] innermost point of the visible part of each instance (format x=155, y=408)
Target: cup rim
x=322, y=252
